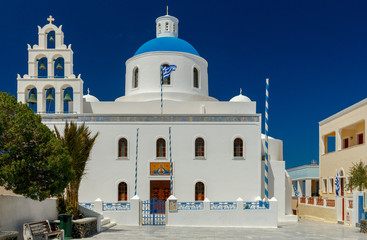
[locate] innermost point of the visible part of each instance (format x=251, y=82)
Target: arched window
x=174, y=27
x=167, y=26
x=196, y=78
x=167, y=80
x=122, y=191
x=161, y=147
x=136, y=77
x=159, y=28
x=123, y=147
x=199, y=147
x=199, y=191
x=238, y=147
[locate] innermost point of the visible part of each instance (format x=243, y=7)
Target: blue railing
x=87, y=205
x=117, y=206
x=255, y=205
x=223, y=205
x=190, y=206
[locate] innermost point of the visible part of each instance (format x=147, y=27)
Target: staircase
x=106, y=224
x=103, y=223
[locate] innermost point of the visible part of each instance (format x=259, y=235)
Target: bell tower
x=50, y=83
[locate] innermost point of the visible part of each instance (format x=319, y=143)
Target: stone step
x=107, y=226
x=105, y=221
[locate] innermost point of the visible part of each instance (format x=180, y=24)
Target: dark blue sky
x=314, y=52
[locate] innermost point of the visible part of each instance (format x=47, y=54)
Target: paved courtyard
x=304, y=229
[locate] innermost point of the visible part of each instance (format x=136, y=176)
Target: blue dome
x=171, y=44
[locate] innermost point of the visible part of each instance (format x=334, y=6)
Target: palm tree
x=79, y=142
x=358, y=177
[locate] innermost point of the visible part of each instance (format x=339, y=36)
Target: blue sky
x=314, y=52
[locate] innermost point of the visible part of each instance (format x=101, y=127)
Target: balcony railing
x=317, y=201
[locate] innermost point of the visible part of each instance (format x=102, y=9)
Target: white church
x=167, y=152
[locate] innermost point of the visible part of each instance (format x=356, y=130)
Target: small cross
x=50, y=19
x=167, y=9
x=240, y=91
x=88, y=91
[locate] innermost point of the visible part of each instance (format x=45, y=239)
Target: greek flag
x=337, y=184
x=296, y=193
x=168, y=70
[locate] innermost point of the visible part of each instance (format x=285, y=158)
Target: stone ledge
x=363, y=226
x=81, y=228
x=8, y=235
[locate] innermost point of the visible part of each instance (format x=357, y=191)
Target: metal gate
x=153, y=212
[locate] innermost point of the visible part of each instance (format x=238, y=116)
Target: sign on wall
x=159, y=168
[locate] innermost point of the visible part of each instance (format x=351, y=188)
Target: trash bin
x=65, y=224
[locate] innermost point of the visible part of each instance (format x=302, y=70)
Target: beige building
x=342, y=143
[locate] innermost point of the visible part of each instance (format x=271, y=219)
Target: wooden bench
x=41, y=229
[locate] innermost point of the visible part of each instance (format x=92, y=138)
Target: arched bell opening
x=42, y=67
x=59, y=67
x=51, y=39
x=67, y=99
x=50, y=100
x=31, y=98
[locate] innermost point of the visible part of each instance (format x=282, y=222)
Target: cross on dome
x=50, y=19
x=88, y=91
x=167, y=9
x=240, y=91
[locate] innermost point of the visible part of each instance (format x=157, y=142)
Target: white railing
x=87, y=205
x=255, y=205
x=116, y=206
x=223, y=206
x=190, y=206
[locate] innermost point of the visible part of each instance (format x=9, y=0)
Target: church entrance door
x=154, y=209
x=160, y=190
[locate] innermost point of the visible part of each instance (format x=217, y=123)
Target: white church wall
x=275, y=149
x=170, y=107
x=280, y=188
x=226, y=178
x=288, y=193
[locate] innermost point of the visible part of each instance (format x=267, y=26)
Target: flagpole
x=136, y=160
x=266, y=139
x=161, y=91
x=170, y=161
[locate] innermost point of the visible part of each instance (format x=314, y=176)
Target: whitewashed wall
x=17, y=210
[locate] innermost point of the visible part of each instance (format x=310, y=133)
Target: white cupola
x=240, y=98
x=166, y=26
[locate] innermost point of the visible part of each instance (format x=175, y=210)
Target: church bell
x=51, y=38
x=32, y=98
x=59, y=66
x=67, y=97
x=42, y=66
x=50, y=97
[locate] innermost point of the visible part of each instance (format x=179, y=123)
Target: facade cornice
x=345, y=111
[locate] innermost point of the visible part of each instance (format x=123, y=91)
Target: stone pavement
x=304, y=229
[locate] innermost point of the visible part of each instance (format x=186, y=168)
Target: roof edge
x=344, y=111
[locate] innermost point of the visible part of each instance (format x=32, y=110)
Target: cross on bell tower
x=50, y=19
